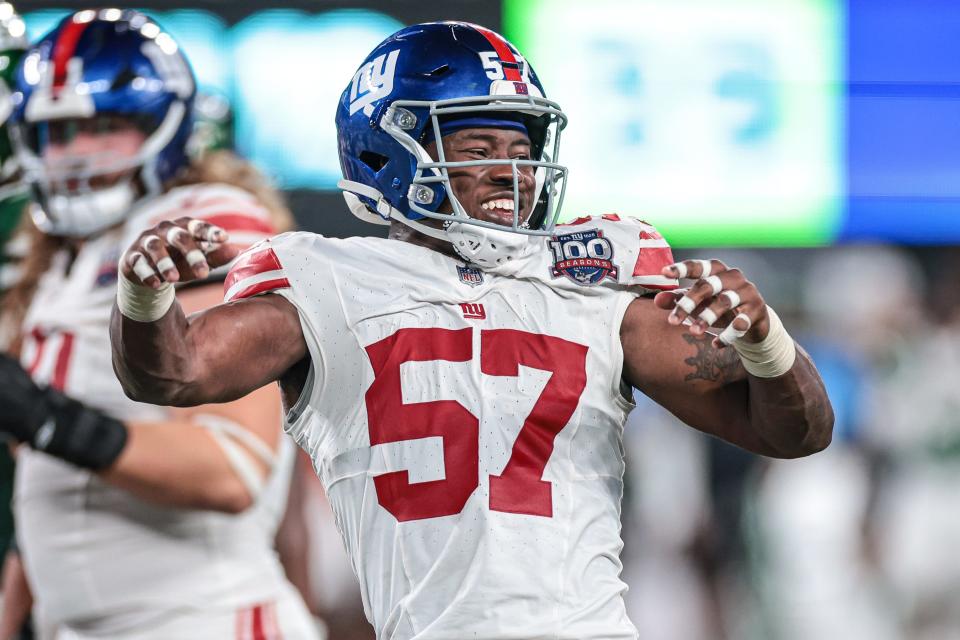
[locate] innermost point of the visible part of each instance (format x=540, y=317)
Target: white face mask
x=488, y=248
x=84, y=214
x=81, y=209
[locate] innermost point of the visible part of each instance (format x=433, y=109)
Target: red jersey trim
x=252, y=264
x=260, y=287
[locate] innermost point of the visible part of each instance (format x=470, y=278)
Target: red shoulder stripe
x=650, y=260
x=251, y=264
x=260, y=287
x=576, y=221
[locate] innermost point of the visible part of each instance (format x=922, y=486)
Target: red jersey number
x=520, y=487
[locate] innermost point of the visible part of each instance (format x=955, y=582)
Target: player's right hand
x=178, y=250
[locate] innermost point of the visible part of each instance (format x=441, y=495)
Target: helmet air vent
x=442, y=70
x=373, y=160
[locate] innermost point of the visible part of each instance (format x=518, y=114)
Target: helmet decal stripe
x=511, y=67
x=64, y=49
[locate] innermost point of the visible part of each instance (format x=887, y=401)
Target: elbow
x=817, y=437
x=235, y=505
x=157, y=393
x=140, y=393
x=230, y=498
x=816, y=442
x=820, y=433
x=157, y=390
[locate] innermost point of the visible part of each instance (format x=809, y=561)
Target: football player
x=462, y=385
x=134, y=521
x=13, y=195
x=13, y=199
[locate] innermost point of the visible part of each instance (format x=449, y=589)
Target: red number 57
x=520, y=488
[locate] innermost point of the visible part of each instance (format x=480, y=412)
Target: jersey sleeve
x=255, y=271
x=300, y=267
x=640, y=252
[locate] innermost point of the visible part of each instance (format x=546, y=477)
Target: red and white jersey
x=95, y=554
x=467, y=425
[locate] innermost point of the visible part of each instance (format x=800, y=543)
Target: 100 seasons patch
x=586, y=257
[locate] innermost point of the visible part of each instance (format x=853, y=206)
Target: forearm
x=154, y=360
x=178, y=464
x=791, y=413
x=217, y=355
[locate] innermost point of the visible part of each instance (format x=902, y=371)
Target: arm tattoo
x=710, y=363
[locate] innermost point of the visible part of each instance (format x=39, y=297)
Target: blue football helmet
x=421, y=83
x=98, y=68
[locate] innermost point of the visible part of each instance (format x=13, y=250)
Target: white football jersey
x=95, y=555
x=467, y=425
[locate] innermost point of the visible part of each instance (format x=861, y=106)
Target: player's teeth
x=499, y=204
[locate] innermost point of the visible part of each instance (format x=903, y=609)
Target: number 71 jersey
x=467, y=425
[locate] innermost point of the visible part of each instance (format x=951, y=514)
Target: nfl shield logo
x=470, y=275
x=585, y=257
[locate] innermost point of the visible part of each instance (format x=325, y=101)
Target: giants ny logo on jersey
x=586, y=257
x=473, y=311
x=372, y=82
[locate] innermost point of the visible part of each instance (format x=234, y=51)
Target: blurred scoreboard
x=737, y=122
x=716, y=120
x=757, y=122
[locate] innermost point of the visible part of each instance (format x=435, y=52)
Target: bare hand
x=181, y=250
x=721, y=298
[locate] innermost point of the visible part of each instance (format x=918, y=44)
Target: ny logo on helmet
x=372, y=82
x=59, y=97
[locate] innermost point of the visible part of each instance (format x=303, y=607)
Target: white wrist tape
x=771, y=357
x=141, y=303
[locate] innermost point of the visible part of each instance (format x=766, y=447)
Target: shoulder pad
x=264, y=267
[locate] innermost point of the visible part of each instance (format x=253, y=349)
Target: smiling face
x=486, y=192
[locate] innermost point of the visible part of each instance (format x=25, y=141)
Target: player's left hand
x=721, y=298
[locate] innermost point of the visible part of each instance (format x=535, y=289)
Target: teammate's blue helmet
x=421, y=83
x=94, y=68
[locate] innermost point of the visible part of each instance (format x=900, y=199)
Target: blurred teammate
x=13, y=196
x=13, y=199
x=462, y=386
x=134, y=521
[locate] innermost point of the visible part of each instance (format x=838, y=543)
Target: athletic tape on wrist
x=771, y=357
x=141, y=303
